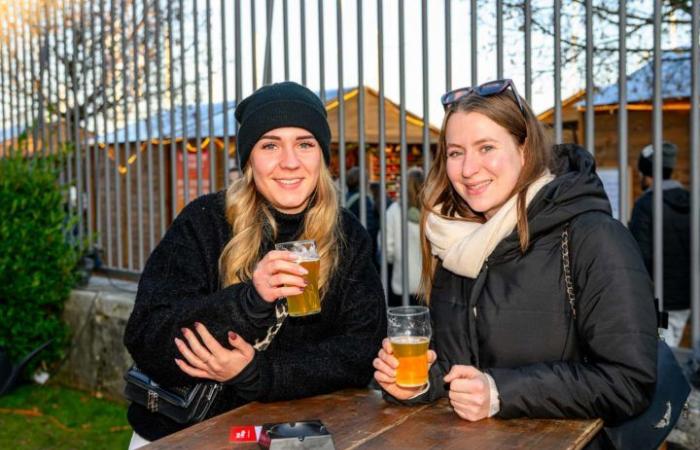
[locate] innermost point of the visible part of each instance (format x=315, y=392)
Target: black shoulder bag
x=648, y=429
x=186, y=404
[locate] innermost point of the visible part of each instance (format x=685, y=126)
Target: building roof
x=675, y=82
x=176, y=128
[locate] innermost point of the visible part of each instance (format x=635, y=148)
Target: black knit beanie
x=278, y=105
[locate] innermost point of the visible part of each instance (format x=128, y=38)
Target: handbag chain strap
x=567, y=269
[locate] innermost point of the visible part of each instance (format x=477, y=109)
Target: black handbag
x=184, y=404
x=650, y=428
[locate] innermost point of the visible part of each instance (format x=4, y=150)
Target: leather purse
x=183, y=404
x=650, y=428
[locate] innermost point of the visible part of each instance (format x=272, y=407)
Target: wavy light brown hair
x=526, y=131
x=248, y=212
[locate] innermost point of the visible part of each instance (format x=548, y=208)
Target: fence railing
x=138, y=95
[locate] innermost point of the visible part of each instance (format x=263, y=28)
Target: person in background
x=501, y=214
x=676, y=237
x=352, y=182
x=211, y=300
x=394, y=254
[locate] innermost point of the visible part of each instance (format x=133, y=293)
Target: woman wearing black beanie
x=208, y=305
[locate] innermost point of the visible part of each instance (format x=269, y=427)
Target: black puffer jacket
x=676, y=240
x=514, y=320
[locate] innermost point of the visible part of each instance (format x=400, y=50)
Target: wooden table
x=361, y=419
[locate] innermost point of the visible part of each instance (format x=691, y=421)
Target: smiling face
x=286, y=163
x=483, y=161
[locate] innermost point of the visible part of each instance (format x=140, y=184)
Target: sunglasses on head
x=484, y=90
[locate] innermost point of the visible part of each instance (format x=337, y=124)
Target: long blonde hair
x=248, y=212
x=525, y=129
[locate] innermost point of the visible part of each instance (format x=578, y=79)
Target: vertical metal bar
x=94, y=172
x=254, y=44
x=267, y=69
x=361, y=149
x=85, y=107
x=426, y=91
x=238, y=88
x=105, y=120
x=657, y=125
x=68, y=159
x=159, y=109
x=138, y=150
x=695, y=179
x=12, y=59
x=115, y=140
x=622, y=117
x=76, y=120
x=590, y=106
x=56, y=77
x=384, y=272
x=473, y=44
x=127, y=150
x=3, y=95
x=557, y=73
x=448, y=45
x=499, y=39
x=27, y=88
x=11, y=55
x=171, y=116
x=183, y=106
x=302, y=19
x=321, y=54
x=225, y=93
x=285, y=36
x=403, y=154
x=197, y=99
x=149, y=127
x=210, y=109
x=44, y=85
x=91, y=164
x=528, y=51
x=341, y=102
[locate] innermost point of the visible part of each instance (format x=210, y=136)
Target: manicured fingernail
x=232, y=335
x=178, y=341
x=184, y=330
x=302, y=270
x=197, y=324
x=177, y=361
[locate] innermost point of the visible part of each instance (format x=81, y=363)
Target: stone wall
x=97, y=315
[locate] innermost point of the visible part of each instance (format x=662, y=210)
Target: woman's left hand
x=470, y=393
x=211, y=360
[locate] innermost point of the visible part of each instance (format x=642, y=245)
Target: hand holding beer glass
x=403, y=362
x=308, y=302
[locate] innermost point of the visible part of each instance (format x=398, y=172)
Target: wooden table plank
x=361, y=419
x=352, y=416
x=438, y=427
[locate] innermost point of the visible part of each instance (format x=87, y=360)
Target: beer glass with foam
x=409, y=334
x=308, y=302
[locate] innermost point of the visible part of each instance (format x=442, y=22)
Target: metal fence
x=137, y=96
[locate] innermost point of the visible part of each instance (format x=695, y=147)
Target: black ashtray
x=307, y=435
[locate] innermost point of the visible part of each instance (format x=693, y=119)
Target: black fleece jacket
x=309, y=355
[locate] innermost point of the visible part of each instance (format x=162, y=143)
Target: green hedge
x=37, y=257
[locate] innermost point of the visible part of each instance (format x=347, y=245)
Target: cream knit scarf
x=464, y=246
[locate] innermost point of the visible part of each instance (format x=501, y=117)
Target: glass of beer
x=409, y=334
x=308, y=302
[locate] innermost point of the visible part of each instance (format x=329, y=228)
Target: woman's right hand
x=386, y=365
x=278, y=275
